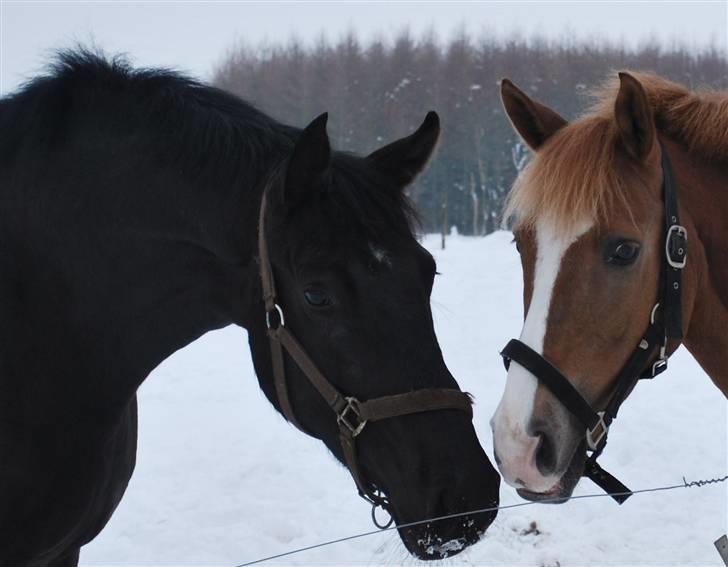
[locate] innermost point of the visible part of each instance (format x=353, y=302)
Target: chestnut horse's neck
x=703, y=197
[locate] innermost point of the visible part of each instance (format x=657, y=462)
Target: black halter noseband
x=665, y=323
x=351, y=414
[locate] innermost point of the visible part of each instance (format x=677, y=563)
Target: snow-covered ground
x=222, y=479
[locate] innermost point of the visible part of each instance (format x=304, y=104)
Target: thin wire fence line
x=685, y=484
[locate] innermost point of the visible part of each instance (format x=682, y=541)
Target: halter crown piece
x=665, y=323
x=352, y=415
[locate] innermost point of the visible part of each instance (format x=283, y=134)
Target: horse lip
x=553, y=493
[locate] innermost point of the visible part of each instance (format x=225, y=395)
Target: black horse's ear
x=404, y=159
x=634, y=117
x=309, y=161
x=533, y=121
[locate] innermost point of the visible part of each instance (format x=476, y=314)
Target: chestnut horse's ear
x=404, y=159
x=634, y=117
x=533, y=121
x=309, y=161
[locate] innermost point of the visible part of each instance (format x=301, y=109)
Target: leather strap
x=377, y=409
x=348, y=447
x=266, y=268
x=632, y=371
x=675, y=251
x=276, y=351
x=562, y=388
x=550, y=376
x=608, y=483
x=417, y=401
x=269, y=299
x=329, y=393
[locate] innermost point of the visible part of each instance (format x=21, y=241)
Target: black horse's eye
x=316, y=297
x=623, y=253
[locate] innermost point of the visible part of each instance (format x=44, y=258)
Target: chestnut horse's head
x=589, y=222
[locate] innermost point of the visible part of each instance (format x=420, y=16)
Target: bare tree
x=381, y=90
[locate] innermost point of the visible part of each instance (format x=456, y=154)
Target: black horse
x=128, y=228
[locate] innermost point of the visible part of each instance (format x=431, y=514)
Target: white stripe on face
x=510, y=422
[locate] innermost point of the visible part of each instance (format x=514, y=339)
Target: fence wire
x=685, y=484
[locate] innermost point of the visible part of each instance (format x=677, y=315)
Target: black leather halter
x=665, y=323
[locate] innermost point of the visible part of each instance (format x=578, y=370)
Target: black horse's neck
x=127, y=232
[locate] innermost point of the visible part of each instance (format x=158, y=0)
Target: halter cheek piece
x=352, y=415
x=665, y=323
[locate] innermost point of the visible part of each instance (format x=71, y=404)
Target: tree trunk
x=443, y=220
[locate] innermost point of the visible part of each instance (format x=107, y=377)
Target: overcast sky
x=193, y=36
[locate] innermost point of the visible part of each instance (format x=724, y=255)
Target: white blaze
x=510, y=422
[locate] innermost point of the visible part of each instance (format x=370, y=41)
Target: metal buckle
x=351, y=410
x=593, y=442
x=281, y=318
x=676, y=243
x=660, y=365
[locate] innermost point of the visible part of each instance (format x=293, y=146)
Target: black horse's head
x=354, y=285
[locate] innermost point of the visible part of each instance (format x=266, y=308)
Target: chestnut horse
x=590, y=225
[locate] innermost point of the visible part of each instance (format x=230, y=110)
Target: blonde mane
x=574, y=177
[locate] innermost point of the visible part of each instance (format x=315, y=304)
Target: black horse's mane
x=211, y=133
x=204, y=120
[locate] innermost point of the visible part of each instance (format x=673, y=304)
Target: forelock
x=573, y=179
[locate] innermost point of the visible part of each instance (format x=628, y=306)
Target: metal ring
x=376, y=505
x=281, y=318
x=654, y=312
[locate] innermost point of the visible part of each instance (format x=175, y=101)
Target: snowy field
x=221, y=479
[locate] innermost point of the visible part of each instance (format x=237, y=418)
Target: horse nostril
x=545, y=455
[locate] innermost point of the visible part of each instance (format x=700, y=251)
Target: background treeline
x=381, y=90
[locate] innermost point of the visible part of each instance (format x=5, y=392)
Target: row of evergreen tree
x=381, y=90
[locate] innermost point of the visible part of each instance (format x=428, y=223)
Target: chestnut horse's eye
x=316, y=298
x=623, y=253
